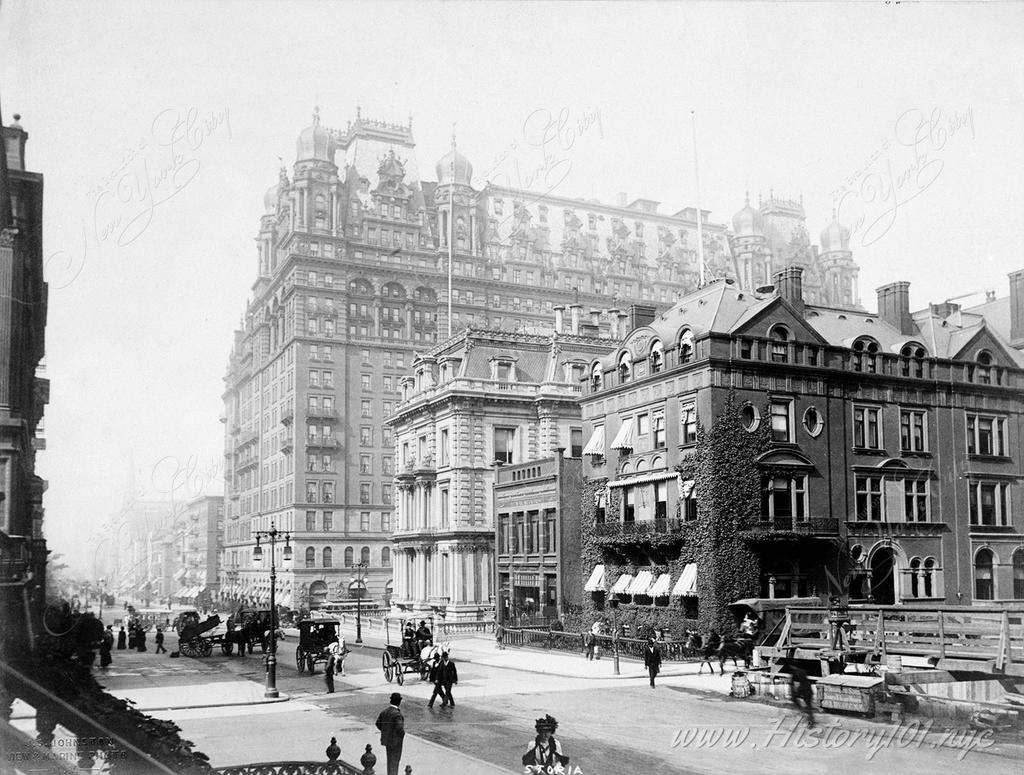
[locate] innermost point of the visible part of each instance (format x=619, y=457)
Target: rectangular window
x=659, y=430
x=445, y=507
x=311, y=492
x=328, y=521
x=867, y=431
x=913, y=430
x=365, y=408
x=328, y=351
x=986, y=435
x=661, y=500
x=628, y=504
x=915, y=500
x=385, y=493
x=365, y=382
x=784, y=498
x=328, y=379
x=688, y=424
x=364, y=521
x=643, y=433
x=869, y=499
x=385, y=521
x=310, y=521
x=365, y=436
x=444, y=447
x=328, y=492
x=387, y=465
x=989, y=503
x=364, y=492
x=365, y=464
x=504, y=445
x=576, y=442
x=781, y=424
x=314, y=378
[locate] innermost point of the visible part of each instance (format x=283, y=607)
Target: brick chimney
x=1017, y=309
x=641, y=314
x=575, y=310
x=559, y=318
x=894, y=307
x=595, y=318
x=789, y=285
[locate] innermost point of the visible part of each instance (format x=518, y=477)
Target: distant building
x=24, y=393
x=890, y=470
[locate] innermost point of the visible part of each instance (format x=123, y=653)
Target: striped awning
x=622, y=584
x=660, y=587
x=659, y=476
x=178, y=574
x=687, y=584
x=596, y=444
x=641, y=583
x=596, y=581
x=624, y=438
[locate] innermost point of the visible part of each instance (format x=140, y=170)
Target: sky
x=159, y=127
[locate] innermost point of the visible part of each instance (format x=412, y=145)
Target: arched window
x=913, y=356
x=915, y=570
x=928, y=576
x=321, y=212
x=385, y=557
x=657, y=356
x=625, y=367
x=364, y=555
x=596, y=377
x=780, y=344
x=328, y=554
x=686, y=346
x=865, y=354
x=984, y=372
x=348, y=557
x=984, y=581
x=1018, y=574
x=310, y=557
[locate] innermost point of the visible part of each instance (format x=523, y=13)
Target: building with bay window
x=890, y=468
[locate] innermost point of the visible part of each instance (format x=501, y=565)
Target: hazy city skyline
x=159, y=129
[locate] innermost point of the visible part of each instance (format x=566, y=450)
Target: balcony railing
x=321, y=414
x=811, y=525
x=321, y=441
x=641, y=528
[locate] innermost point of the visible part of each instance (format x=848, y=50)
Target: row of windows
x=327, y=557
x=321, y=378
x=326, y=522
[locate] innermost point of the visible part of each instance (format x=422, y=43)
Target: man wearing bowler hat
x=391, y=724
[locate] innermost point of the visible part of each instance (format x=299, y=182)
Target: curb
x=264, y=701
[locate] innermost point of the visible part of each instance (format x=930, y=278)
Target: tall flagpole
x=451, y=230
x=700, y=215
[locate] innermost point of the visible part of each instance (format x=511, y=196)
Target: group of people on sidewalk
x=134, y=638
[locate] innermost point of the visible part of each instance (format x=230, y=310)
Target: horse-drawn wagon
x=247, y=628
x=412, y=656
x=316, y=637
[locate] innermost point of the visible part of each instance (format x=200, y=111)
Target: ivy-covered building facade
x=753, y=445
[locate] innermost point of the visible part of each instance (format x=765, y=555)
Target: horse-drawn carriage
x=412, y=656
x=316, y=637
x=245, y=630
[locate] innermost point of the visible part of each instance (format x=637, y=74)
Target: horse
x=430, y=656
x=731, y=648
x=693, y=644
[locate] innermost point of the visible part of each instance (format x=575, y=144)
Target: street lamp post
x=615, y=633
x=257, y=555
x=103, y=583
x=358, y=580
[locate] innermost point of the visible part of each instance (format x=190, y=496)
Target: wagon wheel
x=400, y=673
x=298, y=658
x=188, y=648
x=387, y=661
x=311, y=663
x=206, y=648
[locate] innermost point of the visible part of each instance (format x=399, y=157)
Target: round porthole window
x=813, y=421
x=749, y=417
x=857, y=553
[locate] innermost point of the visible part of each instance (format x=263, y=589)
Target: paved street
x=687, y=724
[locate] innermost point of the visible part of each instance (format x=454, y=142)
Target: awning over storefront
x=596, y=581
x=622, y=584
x=641, y=583
x=624, y=438
x=596, y=444
x=178, y=574
x=660, y=587
x=687, y=584
x=658, y=476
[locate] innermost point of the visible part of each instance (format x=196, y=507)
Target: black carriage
x=192, y=638
x=398, y=660
x=315, y=639
x=245, y=630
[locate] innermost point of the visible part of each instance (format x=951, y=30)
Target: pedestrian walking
x=802, y=689
x=445, y=676
x=121, y=639
x=160, y=641
x=544, y=754
x=105, y=646
x=391, y=724
x=140, y=640
x=329, y=668
x=499, y=637
x=652, y=659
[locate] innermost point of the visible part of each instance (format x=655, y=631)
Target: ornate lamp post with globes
x=257, y=556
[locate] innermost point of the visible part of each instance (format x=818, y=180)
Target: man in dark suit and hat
x=391, y=724
x=444, y=676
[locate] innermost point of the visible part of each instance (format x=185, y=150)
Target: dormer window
x=686, y=347
x=780, y=344
x=657, y=356
x=596, y=377
x=913, y=356
x=503, y=369
x=865, y=354
x=574, y=372
x=983, y=374
x=625, y=367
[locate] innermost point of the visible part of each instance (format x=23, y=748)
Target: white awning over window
x=596, y=581
x=641, y=583
x=622, y=584
x=660, y=476
x=624, y=438
x=687, y=584
x=660, y=587
x=596, y=444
